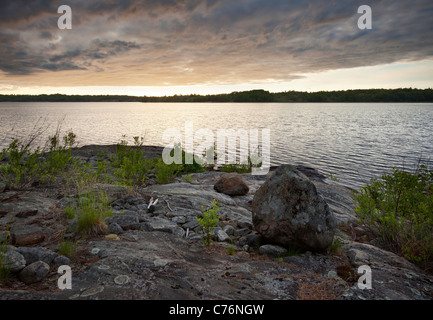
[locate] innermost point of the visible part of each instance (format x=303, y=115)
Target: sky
x=167, y=47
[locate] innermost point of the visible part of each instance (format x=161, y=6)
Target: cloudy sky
x=153, y=47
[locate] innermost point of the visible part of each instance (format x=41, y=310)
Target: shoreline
x=156, y=254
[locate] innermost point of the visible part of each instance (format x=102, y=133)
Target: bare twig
x=168, y=205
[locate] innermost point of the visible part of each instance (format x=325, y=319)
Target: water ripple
x=354, y=142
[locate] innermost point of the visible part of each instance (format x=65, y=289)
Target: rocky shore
x=157, y=252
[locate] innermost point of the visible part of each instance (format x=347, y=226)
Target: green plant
x=230, y=250
x=336, y=246
x=165, y=173
x=292, y=251
x=235, y=167
x=101, y=169
x=333, y=177
x=398, y=208
x=188, y=178
x=70, y=212
x=243, y=167
x=133, y=167
x=66, y=248
x=23, y=165
x=4, y=268
x=90, y=209
x=209, y=221
x=26, y=166
x=185, y=168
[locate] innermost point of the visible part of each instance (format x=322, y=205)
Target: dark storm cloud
x=17, y=59
x=13, y=13
x=221, y=39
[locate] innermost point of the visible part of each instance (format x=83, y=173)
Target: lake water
x=354, y=142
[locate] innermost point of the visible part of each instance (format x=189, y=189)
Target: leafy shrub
x=25, y=166
x=209, y=221
x=398, y=208
x=165, y=173
x=133, y=167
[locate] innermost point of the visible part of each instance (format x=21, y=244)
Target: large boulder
x=287, y=210
x=232, y=184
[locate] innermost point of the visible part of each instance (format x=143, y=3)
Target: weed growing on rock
x=70, y=212
x=230, y=250
x=336, y=246
x=92, y=209
x=66, y=248
x=209, y=221
x=4, y=268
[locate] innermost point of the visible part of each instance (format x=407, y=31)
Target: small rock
x=26, y=214
x=222, y=236
x=242, y=232
x=229, y=230
x=243, y=254
x=194, y=236
x=64, y=202
x=191, y=224
x=272, y=250
x=37, y=254
x=62, y=261
x=112, y=237
x=114, y=228
x=163, y=225
x=12, y=259
x=34, y=272
x=179, y=220
x=245, y=225
x=232, y=184
x=2, y=187
x=129, y=220
x=160, y=262
x=128, y=236
x=252, y=240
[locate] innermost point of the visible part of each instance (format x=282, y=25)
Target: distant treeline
x=67, y=98
x=370, y=95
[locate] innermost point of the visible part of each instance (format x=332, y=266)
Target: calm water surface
x=354, y=142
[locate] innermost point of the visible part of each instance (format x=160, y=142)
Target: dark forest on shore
x=348, y=96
